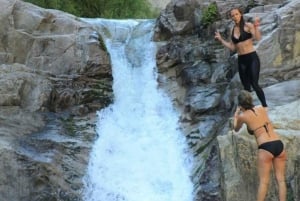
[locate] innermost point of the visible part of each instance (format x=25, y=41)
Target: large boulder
x=68, y=51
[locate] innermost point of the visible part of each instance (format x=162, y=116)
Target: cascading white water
x=140, y=154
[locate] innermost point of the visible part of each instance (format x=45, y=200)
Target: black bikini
x=251, y=132
x=243, y=36
x=274, y=147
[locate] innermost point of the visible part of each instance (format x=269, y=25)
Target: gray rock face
x=41, y=161
x=61, y=47
x=55, y=73
x=201, y=76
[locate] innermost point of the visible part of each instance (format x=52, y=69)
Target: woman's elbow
x=257, y=38
x=236, y=128
x=232, y=48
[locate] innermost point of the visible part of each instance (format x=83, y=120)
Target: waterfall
x=140, y=153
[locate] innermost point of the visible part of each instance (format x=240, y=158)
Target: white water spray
x=140, y=154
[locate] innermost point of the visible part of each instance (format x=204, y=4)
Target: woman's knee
x=280, y=181
x=264, y=183
x=256, y=87
x=280, y=177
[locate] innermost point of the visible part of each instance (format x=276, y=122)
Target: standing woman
x=271, y=152
x=242, y=37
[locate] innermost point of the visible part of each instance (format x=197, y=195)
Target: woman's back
x=259, y=124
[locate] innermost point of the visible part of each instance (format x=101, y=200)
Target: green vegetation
x=111, y=9
x=69, y=126
x=210, y=14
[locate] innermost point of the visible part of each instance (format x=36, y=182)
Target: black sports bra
x=243, y=36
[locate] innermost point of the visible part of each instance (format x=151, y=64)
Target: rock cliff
x=54, y=73
x=201, y=76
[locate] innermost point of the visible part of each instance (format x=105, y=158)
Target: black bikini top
x=265, y=125
x=243, y=36
x=251, y=132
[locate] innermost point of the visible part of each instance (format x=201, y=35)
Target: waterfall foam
x=140, y=153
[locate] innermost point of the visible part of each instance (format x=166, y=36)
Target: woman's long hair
x=242, y=21
x=242, y=24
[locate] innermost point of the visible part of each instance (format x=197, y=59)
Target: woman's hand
x=229, y=45
x=218, y=36
x=237, y=123
x=256, y=22
x=256, y=32
x=237, y=111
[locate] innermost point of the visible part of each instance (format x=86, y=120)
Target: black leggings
x=249, y=67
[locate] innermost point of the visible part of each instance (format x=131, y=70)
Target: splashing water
x=140, y=154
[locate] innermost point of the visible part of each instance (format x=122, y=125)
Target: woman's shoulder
x=260, y=107
x=255, y=111
x=260, y=110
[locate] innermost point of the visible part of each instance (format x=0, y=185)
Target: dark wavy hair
x=242, y=22
x=245, y=100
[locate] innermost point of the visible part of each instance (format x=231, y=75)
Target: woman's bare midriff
x=244, y=47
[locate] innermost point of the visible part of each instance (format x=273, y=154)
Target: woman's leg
x=264, y=166
x=253, y=72
x=279, y=166
x=243, y=75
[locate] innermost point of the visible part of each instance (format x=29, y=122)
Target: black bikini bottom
x=274, y=147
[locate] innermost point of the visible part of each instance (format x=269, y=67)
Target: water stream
x=140, y=154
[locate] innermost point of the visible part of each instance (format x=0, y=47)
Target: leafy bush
x=115, y=9
x=210, y=14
